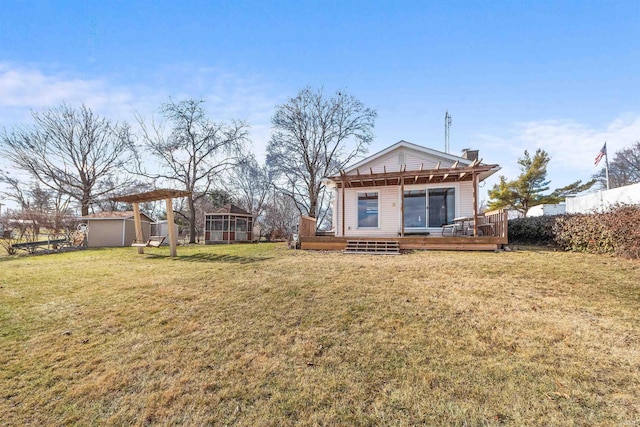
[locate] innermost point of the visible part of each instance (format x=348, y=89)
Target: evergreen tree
x=528, y=189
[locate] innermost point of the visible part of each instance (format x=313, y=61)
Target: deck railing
x=306, y=226
x=498, y=218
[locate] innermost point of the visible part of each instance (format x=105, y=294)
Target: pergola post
x=172, y=232
x=138, y=226
x=402, y=206
x=152, y=196
x=342, y=208
x=474, y=181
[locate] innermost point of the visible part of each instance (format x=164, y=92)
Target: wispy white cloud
x=24, y=88
x=227, y=95
x=572, y=145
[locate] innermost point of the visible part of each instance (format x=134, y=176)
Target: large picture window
x=415, y=209
x=368, y=210
x=442, y=206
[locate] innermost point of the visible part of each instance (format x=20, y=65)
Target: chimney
x=469, y=154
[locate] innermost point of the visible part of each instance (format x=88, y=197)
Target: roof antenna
x=447, y=127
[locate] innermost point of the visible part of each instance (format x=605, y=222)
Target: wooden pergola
x=152, y=196
x=455, y=173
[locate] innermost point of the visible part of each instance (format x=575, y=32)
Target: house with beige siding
x=109, y=229
x=407, y=193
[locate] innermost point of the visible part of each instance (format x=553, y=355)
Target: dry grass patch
x=259, y=335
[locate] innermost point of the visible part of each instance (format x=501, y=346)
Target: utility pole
x=447, y=127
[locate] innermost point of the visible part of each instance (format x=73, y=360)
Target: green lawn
x=261, y=335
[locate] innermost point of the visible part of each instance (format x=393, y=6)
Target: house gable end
x=407, y=156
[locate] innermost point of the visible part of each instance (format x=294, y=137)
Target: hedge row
x=616, y=231
x=535, y=230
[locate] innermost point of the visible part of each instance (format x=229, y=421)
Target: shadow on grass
x=235, y=259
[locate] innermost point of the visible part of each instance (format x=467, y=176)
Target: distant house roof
x=231, y=209
x=116, y=215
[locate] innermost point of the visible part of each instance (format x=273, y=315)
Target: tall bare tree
x=251, y=184
x=315, y=136
x=624, y=169
x=193, y=152
x=71, y=151
x=280, y=217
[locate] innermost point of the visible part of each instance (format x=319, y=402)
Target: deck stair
x=373, y=247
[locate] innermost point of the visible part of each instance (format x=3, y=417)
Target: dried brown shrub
x=614, y=231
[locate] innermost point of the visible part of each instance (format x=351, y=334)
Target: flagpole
x=606, y=164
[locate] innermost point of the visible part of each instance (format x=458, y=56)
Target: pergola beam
x=152, y=196
x=426, y=175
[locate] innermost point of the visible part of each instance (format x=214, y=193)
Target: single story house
x=228, y=224
x=108, y=229
x=408, y=190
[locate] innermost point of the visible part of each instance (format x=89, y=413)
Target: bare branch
x=71, y=151
x=192, y=152
x=314, y=137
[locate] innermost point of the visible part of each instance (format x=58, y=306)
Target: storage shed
x=228, y=224
x=161, y=228
x=109, y=229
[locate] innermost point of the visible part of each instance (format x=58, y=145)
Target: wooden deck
x=454, y=243
x=495, y=221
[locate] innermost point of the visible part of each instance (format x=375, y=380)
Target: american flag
x=601, y=154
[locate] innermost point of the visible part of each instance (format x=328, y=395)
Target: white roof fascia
x=484, y=175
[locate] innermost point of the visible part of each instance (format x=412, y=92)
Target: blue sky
x=514, y=75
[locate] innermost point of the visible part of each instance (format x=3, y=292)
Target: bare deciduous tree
x=314, y=137
x=280, y=217
x=251, y=184
x=624, y=169
x=194, y=151
x=40, y=208
x=71, y=151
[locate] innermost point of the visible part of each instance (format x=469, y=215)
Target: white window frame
x=454, y=185
x=377, y=226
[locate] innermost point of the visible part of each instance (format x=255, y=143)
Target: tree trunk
x=192, y=219
x=84, y=204
x=313, y=205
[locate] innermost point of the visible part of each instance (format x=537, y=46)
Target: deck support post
x=172, y=232
x=137, y=221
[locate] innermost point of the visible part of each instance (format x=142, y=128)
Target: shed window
x=368, y=210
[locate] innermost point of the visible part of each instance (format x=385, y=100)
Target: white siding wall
x=388, y=212
x=465, y=199
x=389, y=208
